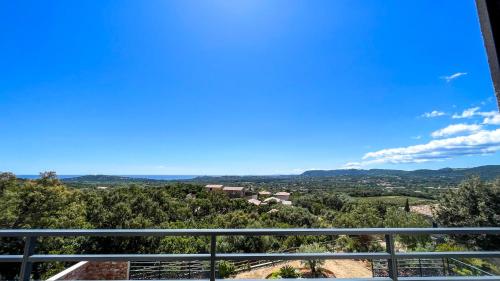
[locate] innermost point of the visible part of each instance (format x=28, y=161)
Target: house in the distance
x=282, y=195
x=254, y=201
x=277, y=201
x=214, y=187
x=234, y=191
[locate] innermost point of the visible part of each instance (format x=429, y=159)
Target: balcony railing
x=391, y=255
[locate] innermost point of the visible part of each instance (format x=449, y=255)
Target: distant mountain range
x=485, y=172
x=488, y=172
x=125, y=178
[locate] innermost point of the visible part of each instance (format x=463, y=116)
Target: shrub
x=313, y=265
x=288, y=271
x=226, y=269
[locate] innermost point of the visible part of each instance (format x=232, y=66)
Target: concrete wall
x=87, y=270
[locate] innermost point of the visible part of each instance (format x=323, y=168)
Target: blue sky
x=243, y=87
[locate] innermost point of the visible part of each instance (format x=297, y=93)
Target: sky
x=243, y=87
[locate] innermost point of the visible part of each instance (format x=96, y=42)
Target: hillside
x=105, y=179
x=485, y=172
x=433, y=177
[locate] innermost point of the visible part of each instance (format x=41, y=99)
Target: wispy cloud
x=473, y=112
x=456, y=129
x=479, y=143
x=432, y=114
x=453, y=76
x=352, y=165
x=417, y=137
x=468, y=113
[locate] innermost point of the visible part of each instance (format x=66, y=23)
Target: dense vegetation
x=49, y=203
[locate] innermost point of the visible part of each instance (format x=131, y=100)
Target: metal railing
x=391, y=255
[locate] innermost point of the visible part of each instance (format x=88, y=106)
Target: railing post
x=26, y=266
x=392, y=263
x=213, y=241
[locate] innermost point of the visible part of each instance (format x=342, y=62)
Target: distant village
x=262, y=198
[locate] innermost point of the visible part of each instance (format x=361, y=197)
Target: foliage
x=226, y=269
x=49, y=203
x=41, y=204
x=396, y=217
x=362, y=243
x=476, y=262
x=407, y=205
x=286, y=271
x=314, y=265
x=274, y=275
x=289, y=271
x=474, y=203
x=7, y=180
x=316, y=204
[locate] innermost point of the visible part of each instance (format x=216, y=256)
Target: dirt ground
x=341, y=269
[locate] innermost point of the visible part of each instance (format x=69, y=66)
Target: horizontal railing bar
x=472, y=254
x=302, y=279
x=11, y=258
x=120, y=257
x=322, y=279
x=300, y=256
x=247, y=232
x=451, y=278
x=247, y=256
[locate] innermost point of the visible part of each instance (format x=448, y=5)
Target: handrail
x=31, y=235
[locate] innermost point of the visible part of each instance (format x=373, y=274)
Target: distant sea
x=151, y=177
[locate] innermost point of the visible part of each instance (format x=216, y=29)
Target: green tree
x=474, y=203
x=358, y=215
x=395, y=217
x=407, y=205
x=48, y=179
x=7, y=180
x=32, y=205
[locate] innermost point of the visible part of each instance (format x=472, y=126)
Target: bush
x=313, y=265
x=288, y=271
x=226, y=269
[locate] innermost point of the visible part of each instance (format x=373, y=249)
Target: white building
x=282, y=195
x=214, y=187
x=234, y=191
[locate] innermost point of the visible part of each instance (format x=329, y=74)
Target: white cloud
x=479, y=143
x=456, y=129
x=492, y=120
x=432, y=114
x=472, y=112
x=468, y=113
x=453, y=76
x=417, y=137
x=352, y=165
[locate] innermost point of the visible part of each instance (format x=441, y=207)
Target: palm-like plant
x=314, y=265
x=288, y=271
